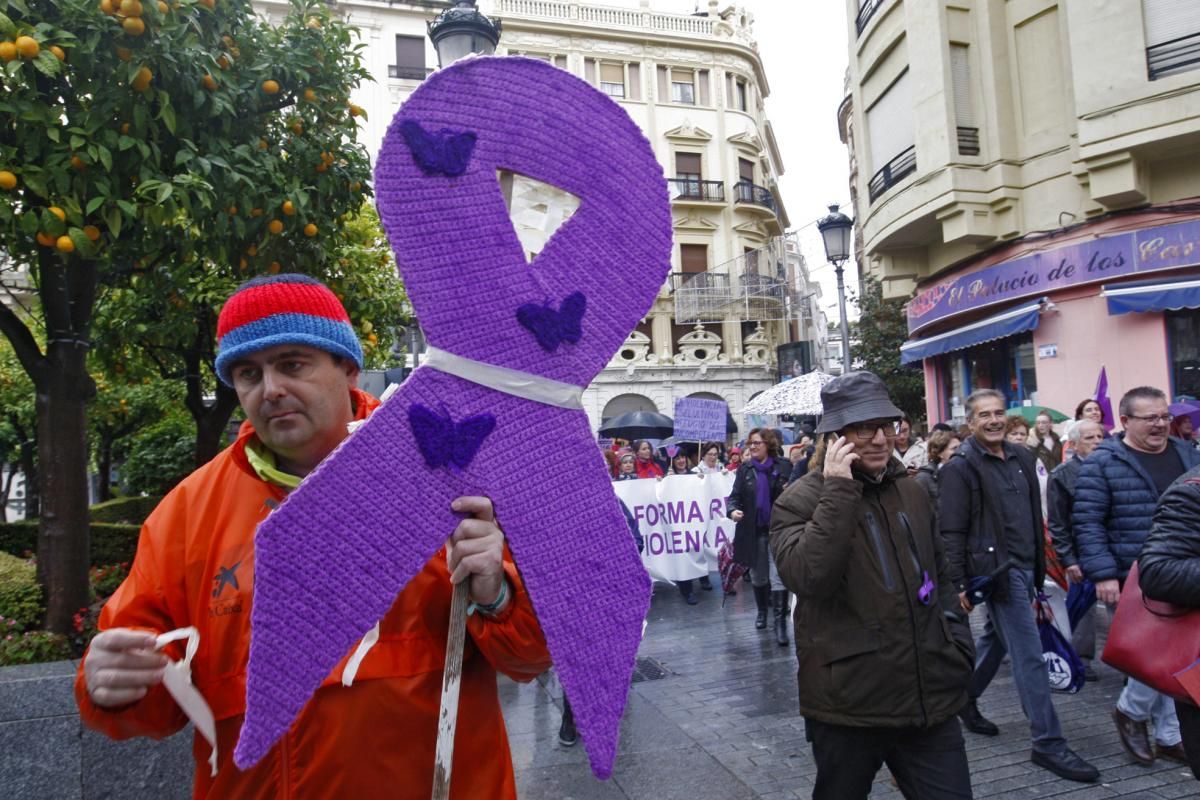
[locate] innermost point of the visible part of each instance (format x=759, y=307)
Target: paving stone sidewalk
x=723, y=724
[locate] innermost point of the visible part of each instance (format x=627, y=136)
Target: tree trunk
x=29, y=467
x=63, y=540
x=104, y=466
x=211, y=422
x=9, y=473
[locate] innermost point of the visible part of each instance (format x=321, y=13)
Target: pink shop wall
x=1133, y=348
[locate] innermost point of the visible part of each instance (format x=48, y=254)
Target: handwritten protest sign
x=682, y=519
x=699, y=420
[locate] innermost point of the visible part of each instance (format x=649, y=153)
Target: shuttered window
x=693, y=258
x=410, y=58
x=1172, y=36
x=687, y=165
x=612, y=79
x=890, y=122
x=960, y=76
x=635, y=82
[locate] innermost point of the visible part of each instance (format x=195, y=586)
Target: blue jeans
x=1012, y=628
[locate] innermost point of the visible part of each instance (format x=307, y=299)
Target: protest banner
x=700, y=420
x=682, y=520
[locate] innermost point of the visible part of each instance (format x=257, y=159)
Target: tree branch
x=24, y=345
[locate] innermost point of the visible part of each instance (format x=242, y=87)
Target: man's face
x=987, y=422
x=902, y=436
x=873, y=441
x=1147, y=427
x=298, y=400
x=1090, y=436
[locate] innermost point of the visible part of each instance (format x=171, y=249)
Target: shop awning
x=1143, y=296
x=1006, y=323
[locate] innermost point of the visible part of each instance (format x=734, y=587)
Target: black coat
x=1169, y=566
x=1060, y=497
x=970, y=518
x=744, y=498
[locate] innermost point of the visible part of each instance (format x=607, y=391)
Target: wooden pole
x=451, y=680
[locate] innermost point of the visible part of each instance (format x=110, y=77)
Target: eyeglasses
x=760, y=441
x=866, y=430
x=1164, y=419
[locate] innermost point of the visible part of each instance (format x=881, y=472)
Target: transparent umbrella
x=801, y=396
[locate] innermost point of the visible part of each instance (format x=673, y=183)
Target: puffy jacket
x=1115, y=500
x=970, y=520
x=856, y=553
x=1169, y=565
x=744, y=497
x=1060, y=497
x=376, y=738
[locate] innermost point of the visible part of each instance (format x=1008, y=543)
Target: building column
x=731, y=340
x=660, y=337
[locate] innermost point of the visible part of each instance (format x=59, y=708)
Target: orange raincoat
x=376, y=738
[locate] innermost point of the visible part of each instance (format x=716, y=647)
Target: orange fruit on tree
x=123, y=53
x=274, y=268
x=45, y=239
x=275, y=226
x=64, y=244
x=262, y=144
x=107, y=7
x=8, y=51
x=314, y=23
x=58, y=212
x=288, y=207
x=8, y=181
x=133, y=26
x=163, y=8
x=124, y=128
x=355, y=111
x=58, y=52
x=223, y=62
x=310, y=95
x=232, y=211
x=270, y=87
x=256, y=212
x=310, y=230
x=78, y=163
x=92, y=232
x=297, y=127
x=322, y=167
x=243, y=263
x=209, y=82
x=209, y=4
x=251, y=250
x=131, y=8
x=28, y=47
x=141, y=81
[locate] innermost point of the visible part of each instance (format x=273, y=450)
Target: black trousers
x=1189, y=728
x=928, y=763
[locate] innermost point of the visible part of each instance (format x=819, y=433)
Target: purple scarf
x=762, y=490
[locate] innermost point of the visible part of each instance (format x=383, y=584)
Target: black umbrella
x=638, y=425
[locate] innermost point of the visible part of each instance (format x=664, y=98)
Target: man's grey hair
x=1075, y=429
x=983, y=394
x=1139, y=393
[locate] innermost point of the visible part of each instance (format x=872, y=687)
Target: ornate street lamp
x=835, y=230
x=461, y=30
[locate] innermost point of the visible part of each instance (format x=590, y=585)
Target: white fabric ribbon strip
x=178, y=680
x=510, y=381
x=364, y=646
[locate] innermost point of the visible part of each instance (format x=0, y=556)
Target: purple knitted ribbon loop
x=330, y=561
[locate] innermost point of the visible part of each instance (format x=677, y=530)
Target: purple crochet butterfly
x=369, y=518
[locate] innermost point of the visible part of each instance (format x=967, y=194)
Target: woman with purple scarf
x=761, y=478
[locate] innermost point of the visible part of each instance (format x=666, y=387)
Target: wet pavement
x=722, y=723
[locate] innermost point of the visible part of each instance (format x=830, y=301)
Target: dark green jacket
x=871, y=653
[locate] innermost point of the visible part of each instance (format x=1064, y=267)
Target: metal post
x=842, y=312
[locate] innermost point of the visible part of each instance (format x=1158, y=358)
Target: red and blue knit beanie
x=283, y=309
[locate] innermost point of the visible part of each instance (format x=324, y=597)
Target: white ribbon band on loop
x=510, y=381
x=360, y=652
x=177, y=678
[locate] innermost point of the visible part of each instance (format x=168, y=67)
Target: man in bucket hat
x=884, y=650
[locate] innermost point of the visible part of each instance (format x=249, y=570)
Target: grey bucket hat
x=855, y=397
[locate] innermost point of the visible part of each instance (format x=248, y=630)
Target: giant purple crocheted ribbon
x=331, y=560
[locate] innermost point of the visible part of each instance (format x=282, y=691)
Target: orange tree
x=149, y=147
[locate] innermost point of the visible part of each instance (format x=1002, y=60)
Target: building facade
x=1025, y=171
x=695, y=84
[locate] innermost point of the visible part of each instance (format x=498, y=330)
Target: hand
x=476, y=550
x=964, y=603
x=121, y=666
x=736, y=516
x=1108, y=592
x=839, y=458
x=1074, y=574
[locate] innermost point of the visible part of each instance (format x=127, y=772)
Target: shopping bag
x=1063, y=665
x=730, y=571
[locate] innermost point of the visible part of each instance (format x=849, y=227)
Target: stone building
x=1026, y=172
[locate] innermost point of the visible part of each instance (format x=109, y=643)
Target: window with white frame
x=1172, y=36
x=612, y=79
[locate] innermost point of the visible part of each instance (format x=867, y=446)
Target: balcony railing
x=606, y=16
x=747, y=192
x=968, y=141
x=701, y=296
x=408, y=73
x=754, y=287
x=866, y=10
x=696, y=189
x=892, y=173
x=1177, y=55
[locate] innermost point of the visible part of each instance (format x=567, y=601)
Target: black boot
x=567, y=735
x=779, y=601
x=762, y=596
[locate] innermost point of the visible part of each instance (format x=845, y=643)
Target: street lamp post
x=462, y=30
x=835, y=231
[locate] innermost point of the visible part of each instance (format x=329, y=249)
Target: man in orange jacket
x=287, y=347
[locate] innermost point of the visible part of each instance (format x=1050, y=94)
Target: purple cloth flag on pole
x=1104, y=401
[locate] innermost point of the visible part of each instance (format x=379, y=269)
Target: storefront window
x=1183, y=338
x=1007, y=365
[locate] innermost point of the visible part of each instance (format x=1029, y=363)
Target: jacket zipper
x=877, y=541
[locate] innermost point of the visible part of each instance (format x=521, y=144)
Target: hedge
x=124, y=510
x=20, y=595
x=111, y=543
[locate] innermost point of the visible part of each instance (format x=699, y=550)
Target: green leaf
x=83, y=245
x=78, y=142
x=53, y=134
x=113, y=219
x=20, y=6
x=93, y=204
x=167, y=115
x=105, y=156
x=47, y=64
x=29, y=224
x=6, y=26
x=128, y=207
x=125, y=142
x=184, y=156
x=164, y=191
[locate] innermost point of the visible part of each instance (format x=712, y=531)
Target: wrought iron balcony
x=747, y=192
x=893, y=172
x=968, y=141
x=866, y=10
x=408, y=73
x=701, y=296
x=1177, y=55
x=696, y=189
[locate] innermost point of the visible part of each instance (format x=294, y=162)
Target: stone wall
x=45, y=752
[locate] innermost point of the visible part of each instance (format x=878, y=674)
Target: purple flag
x=1104, y=401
